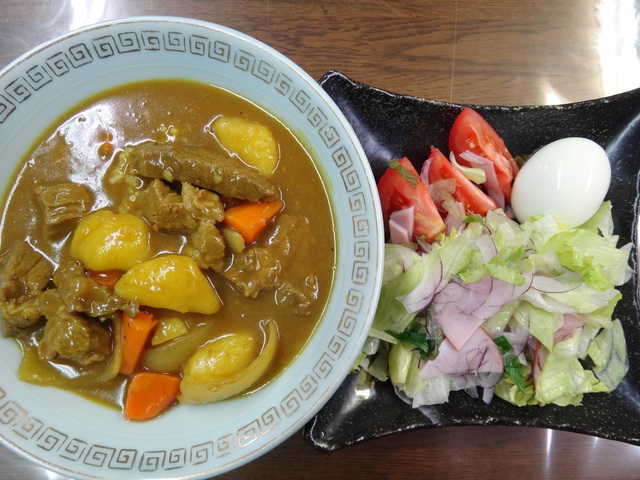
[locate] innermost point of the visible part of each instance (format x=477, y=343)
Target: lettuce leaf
x=403, y=270
x=593, y=256
x=608, y=351
x=563, y=380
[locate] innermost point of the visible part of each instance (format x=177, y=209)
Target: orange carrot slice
x=108, y=278
x=149, y=394
x=136, y=331
x=249, y=219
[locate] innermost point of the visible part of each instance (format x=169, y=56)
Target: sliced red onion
x=471, y=381
x=424, y=171
x=478, y=161
x=487, y=247
x=571, y=324
x=475, y=174
x=422, y=295
x=518, y=336
x=560, y=284
x=487, y=394
x=424, y=246
x=500, y=220
x=539, y=357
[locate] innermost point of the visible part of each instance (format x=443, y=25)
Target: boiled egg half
x=569, y=178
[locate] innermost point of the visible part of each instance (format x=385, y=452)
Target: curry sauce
x=100, y=150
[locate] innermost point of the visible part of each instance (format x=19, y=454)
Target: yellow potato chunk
x=219, y=370
x=104, y=240
x=171, y=281
x=168, y=329
x=222, y=358
x=252, y=142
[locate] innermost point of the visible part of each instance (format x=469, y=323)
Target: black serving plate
x=391, y=126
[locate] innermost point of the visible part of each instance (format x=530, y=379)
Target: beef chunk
x=254, y=270
x=24, y=274
x=164, y=209
x=259, y=267
x=298, y=298
x=64, y=202
x=207, y=247
x=200, y=166
x=202, y=204
x=71, y=336
x=19, y=315
x=81, y=293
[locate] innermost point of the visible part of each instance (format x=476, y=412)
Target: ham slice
x=401, y=226
x=478, y=355
x=461, y=308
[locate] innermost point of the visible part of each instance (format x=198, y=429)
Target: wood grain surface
x=506, y=52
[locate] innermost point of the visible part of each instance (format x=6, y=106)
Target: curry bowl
x=82, y=438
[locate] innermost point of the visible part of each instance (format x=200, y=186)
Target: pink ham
x=461, y=308
x=401, y=226
x=478, y=355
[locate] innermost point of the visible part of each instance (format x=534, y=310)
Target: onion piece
x=476, y=174
x=195, y=392
x=571, y=323
x=113, y=367
x=422, y=295
x=559, y=284
x=171, y=355
x=491, y=183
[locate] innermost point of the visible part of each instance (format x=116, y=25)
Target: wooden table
x=506, y=52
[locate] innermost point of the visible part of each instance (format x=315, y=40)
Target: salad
x=473, y=299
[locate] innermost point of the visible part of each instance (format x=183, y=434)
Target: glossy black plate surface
x=392, y=126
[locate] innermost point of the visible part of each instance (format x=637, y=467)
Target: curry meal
x=165, y=242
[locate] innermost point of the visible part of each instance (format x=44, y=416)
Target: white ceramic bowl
x=79, y=438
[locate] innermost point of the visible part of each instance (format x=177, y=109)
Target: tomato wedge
x=472, y=132
x=400, y=187
x=469, y=194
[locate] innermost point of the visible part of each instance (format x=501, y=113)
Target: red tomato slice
x=398, y=192
x=467, y=193
x=472, y=132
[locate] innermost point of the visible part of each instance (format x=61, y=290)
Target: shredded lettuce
x=594, y=257
x=549, y=309
x=510, y=392
x=563, y=380
x=403, y=270
x=608, y=351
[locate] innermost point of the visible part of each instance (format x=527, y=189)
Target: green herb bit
x=512, y=366
x=416, y=336
x=473, y=218
x=409, y=177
